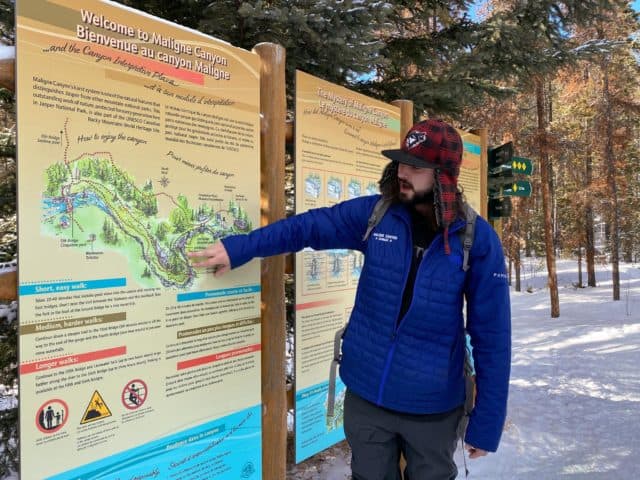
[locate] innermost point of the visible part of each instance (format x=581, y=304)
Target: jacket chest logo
x=385, y=237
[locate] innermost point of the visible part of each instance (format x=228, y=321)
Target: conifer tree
x=333, y=39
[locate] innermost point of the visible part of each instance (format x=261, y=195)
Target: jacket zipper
x=396, y=328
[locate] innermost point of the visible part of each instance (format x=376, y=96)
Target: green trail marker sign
x=519, y=188
x=517, y=166
x=522, y=166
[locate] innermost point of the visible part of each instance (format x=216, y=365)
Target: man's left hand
x=475, y=452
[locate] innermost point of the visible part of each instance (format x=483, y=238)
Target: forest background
x=561, y=79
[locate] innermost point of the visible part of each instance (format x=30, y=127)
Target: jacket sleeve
x=340, y=226
x=489, y=326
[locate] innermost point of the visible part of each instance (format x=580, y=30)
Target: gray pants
x=377, y=436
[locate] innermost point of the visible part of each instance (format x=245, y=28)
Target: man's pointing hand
x=215, y=256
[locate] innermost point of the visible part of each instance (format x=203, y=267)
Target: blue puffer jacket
x=416, y=366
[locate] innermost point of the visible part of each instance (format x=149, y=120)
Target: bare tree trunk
x=554, y=211
x=612, y=186
x=588, y=225
x=547, y=199
x=515, y=236
x=580, y=267
x=526, y=206
x=516, y=265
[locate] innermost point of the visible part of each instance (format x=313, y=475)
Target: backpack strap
x=469, y=372
x=379, y=210
x=467, y=236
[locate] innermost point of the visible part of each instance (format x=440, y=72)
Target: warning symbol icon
x=134, y=394
x=96, y=410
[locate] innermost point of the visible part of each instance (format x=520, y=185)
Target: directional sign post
x=499, y=207
x=522, y=166
x=517, y=166
x=502, y=182
x=516, y=188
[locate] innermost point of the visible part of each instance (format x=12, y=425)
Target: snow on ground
x=575, y=383
x=574, y=403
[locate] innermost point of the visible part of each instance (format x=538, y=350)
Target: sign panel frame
x=139, y=140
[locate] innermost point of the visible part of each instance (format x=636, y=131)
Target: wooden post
x=273, y=107
x=406, y=115
x=289, y=131
x=8, y=286
x=8, y=68
x=8, y=280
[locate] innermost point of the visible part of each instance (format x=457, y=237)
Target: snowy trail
x=574, y=406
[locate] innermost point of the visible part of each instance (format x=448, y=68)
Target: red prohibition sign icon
x=52, y=416
x=134, y=394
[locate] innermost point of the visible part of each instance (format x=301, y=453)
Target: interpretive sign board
x=138, y=141
x=338, y=139
x=473, y=172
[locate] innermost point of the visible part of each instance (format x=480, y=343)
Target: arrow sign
x=523, y=166
x=495, y=184
x=501, y=155
x=515, y=189
x=499, y=208
x=501, y=171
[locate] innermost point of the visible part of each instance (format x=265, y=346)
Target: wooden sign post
x=273, y=106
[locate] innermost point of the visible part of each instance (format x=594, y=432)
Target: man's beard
x=422, y=198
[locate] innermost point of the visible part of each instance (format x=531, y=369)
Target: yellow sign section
x=473, y=172
x=96, y=410
x=139, y=143
x=339, y=137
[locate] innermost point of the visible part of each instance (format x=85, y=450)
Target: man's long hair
x=390, y=188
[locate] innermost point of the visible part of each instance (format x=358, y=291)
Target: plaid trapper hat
x=435, y=144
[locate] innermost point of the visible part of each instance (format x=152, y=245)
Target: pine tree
x=427, y=57
x=333, y=39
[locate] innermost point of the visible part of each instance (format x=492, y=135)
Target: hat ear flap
x=437, y=197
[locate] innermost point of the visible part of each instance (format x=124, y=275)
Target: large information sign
x=138, y=142
x=339, y=136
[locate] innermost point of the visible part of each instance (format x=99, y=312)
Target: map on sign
x=94, y=205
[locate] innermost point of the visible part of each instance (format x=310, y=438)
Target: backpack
x=467, y=234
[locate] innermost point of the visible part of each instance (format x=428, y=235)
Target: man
x=403, y=350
